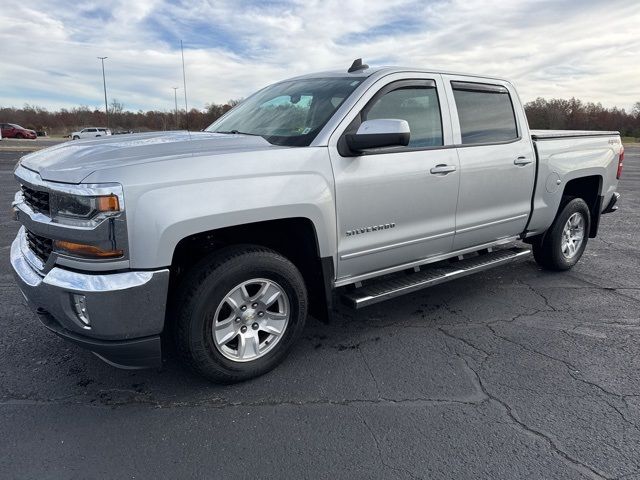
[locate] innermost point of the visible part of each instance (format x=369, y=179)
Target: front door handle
x=522, y=161
x=443, y=169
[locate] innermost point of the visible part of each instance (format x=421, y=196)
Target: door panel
x=390, y=208
x=497, y=161
x=416, y=209
x=495, y=194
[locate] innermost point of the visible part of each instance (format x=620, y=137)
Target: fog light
x=80, y=306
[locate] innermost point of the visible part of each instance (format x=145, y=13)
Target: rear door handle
x=522, y=161
x=442, y=169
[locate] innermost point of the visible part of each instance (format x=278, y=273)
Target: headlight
x=87, y=207
x=83, y=207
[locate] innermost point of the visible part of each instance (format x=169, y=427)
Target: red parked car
x=11, y=130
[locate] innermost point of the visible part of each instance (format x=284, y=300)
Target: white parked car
x=90, y=132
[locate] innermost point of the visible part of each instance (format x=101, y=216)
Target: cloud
x=48, y=49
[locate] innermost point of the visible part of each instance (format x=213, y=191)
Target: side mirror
x=379, y=133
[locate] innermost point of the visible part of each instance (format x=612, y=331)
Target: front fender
x=164, y=216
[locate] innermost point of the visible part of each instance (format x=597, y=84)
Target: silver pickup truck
x=354, y=186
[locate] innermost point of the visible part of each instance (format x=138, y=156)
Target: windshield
x=289, y=113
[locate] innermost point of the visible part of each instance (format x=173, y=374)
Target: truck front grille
x=40, y=246
x=36, y=199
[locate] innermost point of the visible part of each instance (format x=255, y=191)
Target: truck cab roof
x=387, y=70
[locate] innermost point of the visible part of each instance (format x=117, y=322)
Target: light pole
x=175, y=98
x=184, y=84
x=104, y=83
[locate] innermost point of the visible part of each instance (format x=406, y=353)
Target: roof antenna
x=357, y=65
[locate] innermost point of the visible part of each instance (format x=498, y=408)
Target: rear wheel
x=239, y=312
x=563, y=244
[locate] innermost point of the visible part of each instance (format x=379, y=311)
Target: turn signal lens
x=85, y=251
x=620, y=160
x=108, y=203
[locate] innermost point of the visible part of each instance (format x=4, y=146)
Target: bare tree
x=116, y=108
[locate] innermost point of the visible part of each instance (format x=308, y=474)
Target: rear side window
x=418, y=105
x=485, y=112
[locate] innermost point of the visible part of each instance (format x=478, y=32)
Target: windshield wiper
x=238, y=132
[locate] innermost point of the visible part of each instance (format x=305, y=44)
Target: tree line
x=554, y=114
x=65, y=121
x=573, y=114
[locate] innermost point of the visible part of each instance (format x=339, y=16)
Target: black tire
x=203, y=290
x=75, y=137
x=547, y=250
x=19, y=136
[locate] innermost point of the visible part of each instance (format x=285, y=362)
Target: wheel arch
x=588, y=188
x=296, y=238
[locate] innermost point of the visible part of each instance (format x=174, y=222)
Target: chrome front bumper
x=125, y=310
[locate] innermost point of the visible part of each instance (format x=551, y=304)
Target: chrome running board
x=430, y=275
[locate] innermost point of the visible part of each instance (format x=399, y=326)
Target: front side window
x=418, y=105
x=485, y=112
x=289, y=113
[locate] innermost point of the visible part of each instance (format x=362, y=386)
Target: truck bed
x=565, y=155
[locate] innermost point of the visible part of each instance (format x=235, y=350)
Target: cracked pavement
x=511, y=373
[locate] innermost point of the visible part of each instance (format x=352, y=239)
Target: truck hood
x=73, y=161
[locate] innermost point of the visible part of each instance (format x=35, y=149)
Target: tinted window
x=418, y=106
x=485, y=112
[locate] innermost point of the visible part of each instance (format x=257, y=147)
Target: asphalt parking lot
x=513, y=373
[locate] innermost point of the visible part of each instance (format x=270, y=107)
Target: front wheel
x=76, y=137
x=563, y=244
x=19, y=136
x=239, y=312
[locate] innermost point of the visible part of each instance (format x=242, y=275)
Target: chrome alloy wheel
x=572, y=235
x=251, y=320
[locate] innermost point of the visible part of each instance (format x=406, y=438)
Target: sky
x=554, y=49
